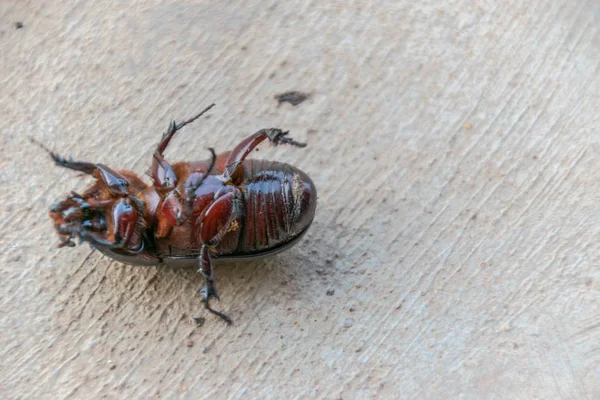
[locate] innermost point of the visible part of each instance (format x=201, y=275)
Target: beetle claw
x=218, y=313
x=277, y=136
x=172, y=127
x=208, y=292
x=66, y=242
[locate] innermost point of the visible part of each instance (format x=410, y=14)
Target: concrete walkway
x=455, y=252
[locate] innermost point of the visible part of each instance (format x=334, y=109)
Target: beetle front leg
x=240, y=152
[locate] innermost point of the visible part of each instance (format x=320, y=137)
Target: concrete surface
x=455, y=148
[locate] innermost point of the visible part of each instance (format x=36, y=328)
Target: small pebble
x=189, y=343
x=293, y=97
x=348, y=322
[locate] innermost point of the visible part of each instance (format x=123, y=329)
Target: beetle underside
x=227, y=207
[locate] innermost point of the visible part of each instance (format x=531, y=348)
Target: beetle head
x=102, y=216
x=108, y=215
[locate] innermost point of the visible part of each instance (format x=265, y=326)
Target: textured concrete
x=455, y=148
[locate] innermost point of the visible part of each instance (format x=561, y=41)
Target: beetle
x=228, y=207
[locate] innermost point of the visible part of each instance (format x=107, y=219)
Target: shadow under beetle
x=227, y=207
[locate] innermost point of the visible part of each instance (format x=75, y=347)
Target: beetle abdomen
x=280, y=203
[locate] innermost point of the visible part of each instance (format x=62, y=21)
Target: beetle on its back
x=227, y=207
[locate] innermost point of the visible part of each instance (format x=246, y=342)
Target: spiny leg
x=82, y=166
x=241, y=151
x=209, y=290
x=115, y=182
x=174, y=127
x=216, y=222
x=161, y=171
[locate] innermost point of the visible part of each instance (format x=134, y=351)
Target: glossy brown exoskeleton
x=227, y=207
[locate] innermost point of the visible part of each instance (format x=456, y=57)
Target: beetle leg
x=209, y=290
x=97, y=240
x=161, y=171
x=192, y=185
x=217, y=221
x=240, y=152
x=114, y=181
x=82, y=166
x=219, y=217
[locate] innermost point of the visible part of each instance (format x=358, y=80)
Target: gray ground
x=454, y=145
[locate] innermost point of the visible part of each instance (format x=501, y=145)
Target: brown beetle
x=228, y=207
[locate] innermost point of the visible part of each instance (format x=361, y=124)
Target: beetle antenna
x=184, y=123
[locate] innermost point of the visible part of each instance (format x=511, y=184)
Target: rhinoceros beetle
x=228, y=207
